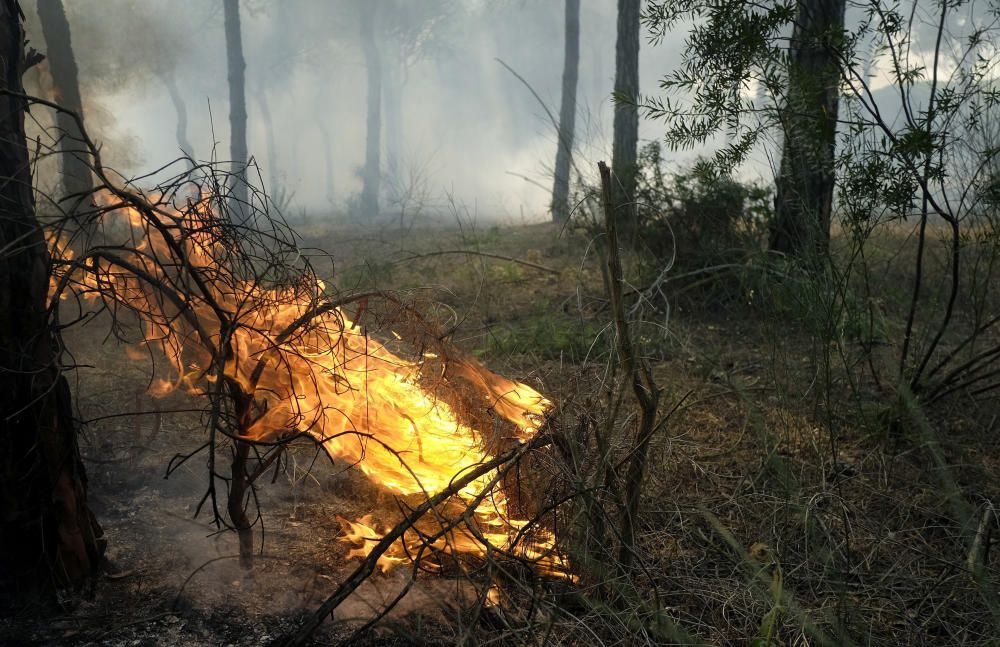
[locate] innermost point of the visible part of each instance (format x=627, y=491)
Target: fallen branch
x=367, y=567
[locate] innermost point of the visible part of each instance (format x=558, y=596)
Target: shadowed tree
x=370, y=175
x=567, y=113
x=805, y=181
x=74, y=161
x=626, y=125
x=237, y=101
x=49, y=539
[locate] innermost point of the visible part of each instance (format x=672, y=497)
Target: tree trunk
x=626, y=126
x=74, y=159
x=237, y=107
x=49, y=540
x=239, y=491
x=372, y=170
x=567, y=113
x=180, y=107
x=805, y=182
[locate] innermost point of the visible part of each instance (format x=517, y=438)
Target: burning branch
x=367, y=567
x=248, y=327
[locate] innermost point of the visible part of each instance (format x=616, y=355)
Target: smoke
x=452, y=115
x=465, y=123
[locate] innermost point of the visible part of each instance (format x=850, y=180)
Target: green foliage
x=696, y=215
x=917, y=157
x=731, y=47
x=544, y=336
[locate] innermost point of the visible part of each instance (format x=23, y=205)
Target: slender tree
x=373, y=124
x=567, y=113
x=74, y=160
x=626, y=125
x=48, y=536
x=805, y=181
x=237, y=102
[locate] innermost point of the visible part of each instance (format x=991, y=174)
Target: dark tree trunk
x=626, y=126
x=49, y=540
x=567, y=113
x=373, y=142
x=74, y=160
x=180, y=107
x=805, y=181
x=237, y=105
x=239, y=492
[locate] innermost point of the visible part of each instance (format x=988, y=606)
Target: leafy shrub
x=697, y=215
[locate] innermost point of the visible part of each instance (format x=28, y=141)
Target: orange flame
x=364, y=403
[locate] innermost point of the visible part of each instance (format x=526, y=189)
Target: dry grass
x=870, y=528
x=776, y=462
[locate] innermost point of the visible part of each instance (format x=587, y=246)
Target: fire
x=308, y=369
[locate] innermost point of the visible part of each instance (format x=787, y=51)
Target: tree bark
x=236, y=505
x=49, y=540
x=626, y=125
x=237, y=107
x=74, y=160
x=372, y=170
x=567, y=113
x=805, y=182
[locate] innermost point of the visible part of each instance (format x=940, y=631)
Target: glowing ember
x=309, y=369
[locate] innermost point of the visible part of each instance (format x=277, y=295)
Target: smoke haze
x=465, y=126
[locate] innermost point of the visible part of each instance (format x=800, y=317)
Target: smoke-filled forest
x=499, y=322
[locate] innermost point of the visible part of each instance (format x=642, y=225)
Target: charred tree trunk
x=74, y=159
x=805, y=183
x=237, y=107
x=372, y=171
x=240, y=484
x=49, y=539
x=567, y=113
x=239, y=491
x=626, y=125
x=180, y=107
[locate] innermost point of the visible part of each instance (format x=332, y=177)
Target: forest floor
x=864, y=524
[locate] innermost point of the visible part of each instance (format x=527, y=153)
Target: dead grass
x=869, y=530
